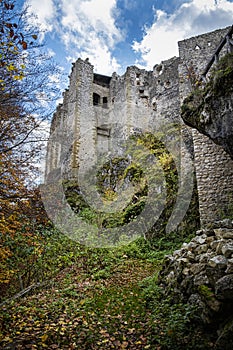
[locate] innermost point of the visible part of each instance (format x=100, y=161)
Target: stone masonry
x=98, y=112
x=214, y=167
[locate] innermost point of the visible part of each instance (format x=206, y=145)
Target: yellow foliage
x=5, y=273
x=166, y=160
x=4, y=253
x=110, y=194
x=18, y=77
x=44, y=337
x=11, y=67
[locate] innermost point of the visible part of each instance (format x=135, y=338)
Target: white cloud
x=99, y=55
x=50, y=52
x=45, y=12
x=88, y=30
x=100, y=15
x=54, y=78
x=191, y=18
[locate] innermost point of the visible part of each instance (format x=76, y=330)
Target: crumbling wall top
x=102, y=80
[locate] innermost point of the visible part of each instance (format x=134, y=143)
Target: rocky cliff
x=209, y=108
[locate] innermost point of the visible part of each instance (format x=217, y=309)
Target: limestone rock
x=209, y=239
x=201, y=273
x=202, y=249
x=200, y=280
x=225, y=223
x=190, y=256
x=218, y=261
x=191, y=246
x=218, y=233
x=224, y=288
x=224, y=233
x=204, y=258
x=197, y=301
x=227, y=250
x=229, y=266
x=217, y=245
x=228, y=234
x=197, y=268
x=200, y=239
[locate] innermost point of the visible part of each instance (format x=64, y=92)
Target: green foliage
x=119, y=170
x=206, y=292
x=221, y=78
x=174, y=326
x=95, y=289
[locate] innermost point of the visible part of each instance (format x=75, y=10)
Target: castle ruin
x=99, y=111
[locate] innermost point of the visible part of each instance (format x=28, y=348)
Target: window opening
x=96, y=99
x=105, y=102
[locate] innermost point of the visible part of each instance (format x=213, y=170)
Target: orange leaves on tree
x=24, y=45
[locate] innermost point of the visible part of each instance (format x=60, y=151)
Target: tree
x=26, y=93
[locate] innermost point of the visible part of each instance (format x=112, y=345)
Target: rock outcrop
x=210, y=109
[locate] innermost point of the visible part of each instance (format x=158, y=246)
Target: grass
x=82, y=309
x=99, y=299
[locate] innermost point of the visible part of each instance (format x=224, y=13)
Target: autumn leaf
x=24, y=45
x=44, y=338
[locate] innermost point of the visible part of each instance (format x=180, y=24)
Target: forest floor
x=99, y=299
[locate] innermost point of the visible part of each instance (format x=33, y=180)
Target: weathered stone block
x=217, y=245
x=201, y=279
x=219, y=262
x=200, y=239
x=197, y=268
x=227, y=250
x=201, y=249
x=224, y=288
x=204, y=258
x=228, y=234
x=229, y=266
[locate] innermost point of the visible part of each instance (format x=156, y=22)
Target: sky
x=115, y=34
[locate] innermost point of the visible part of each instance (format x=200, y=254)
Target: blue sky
x=114, y=34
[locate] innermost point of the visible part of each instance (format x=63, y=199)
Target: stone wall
x=214, y=167
x=201, y=274
x=214, y=172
